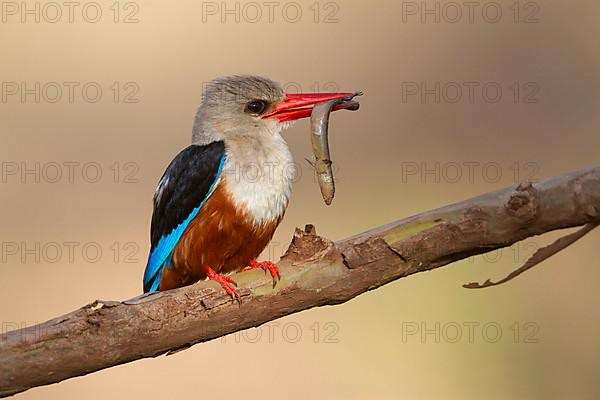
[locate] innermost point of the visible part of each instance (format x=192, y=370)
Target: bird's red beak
x=296, y=106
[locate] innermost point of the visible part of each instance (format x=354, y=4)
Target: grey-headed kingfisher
x=208, y=219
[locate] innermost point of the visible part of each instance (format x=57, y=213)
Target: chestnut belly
x=220, y=237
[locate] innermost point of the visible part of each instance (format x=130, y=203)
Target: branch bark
x=315, y=272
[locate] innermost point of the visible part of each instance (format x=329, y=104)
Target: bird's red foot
x=265, y=266
x=225, y=281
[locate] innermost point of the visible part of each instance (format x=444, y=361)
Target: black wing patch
x=184, y=187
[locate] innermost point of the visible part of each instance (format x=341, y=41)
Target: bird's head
x=246, y=106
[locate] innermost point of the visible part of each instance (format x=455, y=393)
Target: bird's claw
x=265, y=266
x=227, y=283
x=230, y=287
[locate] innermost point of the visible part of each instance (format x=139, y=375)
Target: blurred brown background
x=70, y=236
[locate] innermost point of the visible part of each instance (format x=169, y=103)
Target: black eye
x=256, y=107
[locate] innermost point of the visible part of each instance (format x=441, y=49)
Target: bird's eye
x=256, y=107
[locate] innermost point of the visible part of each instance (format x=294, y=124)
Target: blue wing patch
x=188, y=182
x=166, y=244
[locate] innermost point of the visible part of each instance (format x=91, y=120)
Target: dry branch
x=315, y=272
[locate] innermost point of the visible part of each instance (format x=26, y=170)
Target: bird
x=210, y=218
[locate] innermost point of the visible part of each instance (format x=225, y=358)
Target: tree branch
x=315, y=272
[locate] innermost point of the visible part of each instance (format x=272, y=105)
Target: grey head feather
x=221, y=113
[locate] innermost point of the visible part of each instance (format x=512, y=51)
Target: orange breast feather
x=221, y=237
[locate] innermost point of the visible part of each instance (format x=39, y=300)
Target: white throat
x=259, y=171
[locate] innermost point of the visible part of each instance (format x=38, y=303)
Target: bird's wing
x=183, y=189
